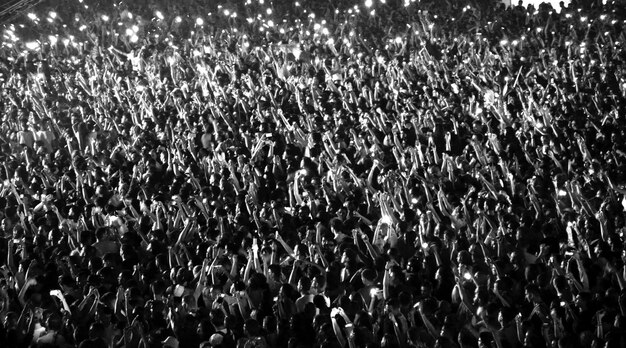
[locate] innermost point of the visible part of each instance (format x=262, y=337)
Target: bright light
x=386, y=220
x=200, y=21
x=296, y=52
x=178, y=19
x=134, y=38
x=130, y=15
x=33, y=45
x=159, y=15
x=268, y=11
x=135, y=29
x=369, y=3
x=52, y=14
x=129, y=32
x=53, y=39
x=105, y=18
x=398, y=40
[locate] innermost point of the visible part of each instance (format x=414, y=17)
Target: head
x=304, y=285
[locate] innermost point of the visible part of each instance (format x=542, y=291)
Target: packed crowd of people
x=374, y=174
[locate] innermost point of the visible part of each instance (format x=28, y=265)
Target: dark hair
x=217, y=317
x=305, y=283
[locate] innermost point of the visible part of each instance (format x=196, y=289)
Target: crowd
x=379, y=174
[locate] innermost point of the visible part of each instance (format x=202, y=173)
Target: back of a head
x=368, y=276
x=97, y=330
x=100, y=232
x=319, y=301
x=54, y=322
x=217, y=317
x=252, y=327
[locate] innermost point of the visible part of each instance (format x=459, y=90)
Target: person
x=304, y=288
x=173, y=173
x=96, y=337
x=51, y=336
